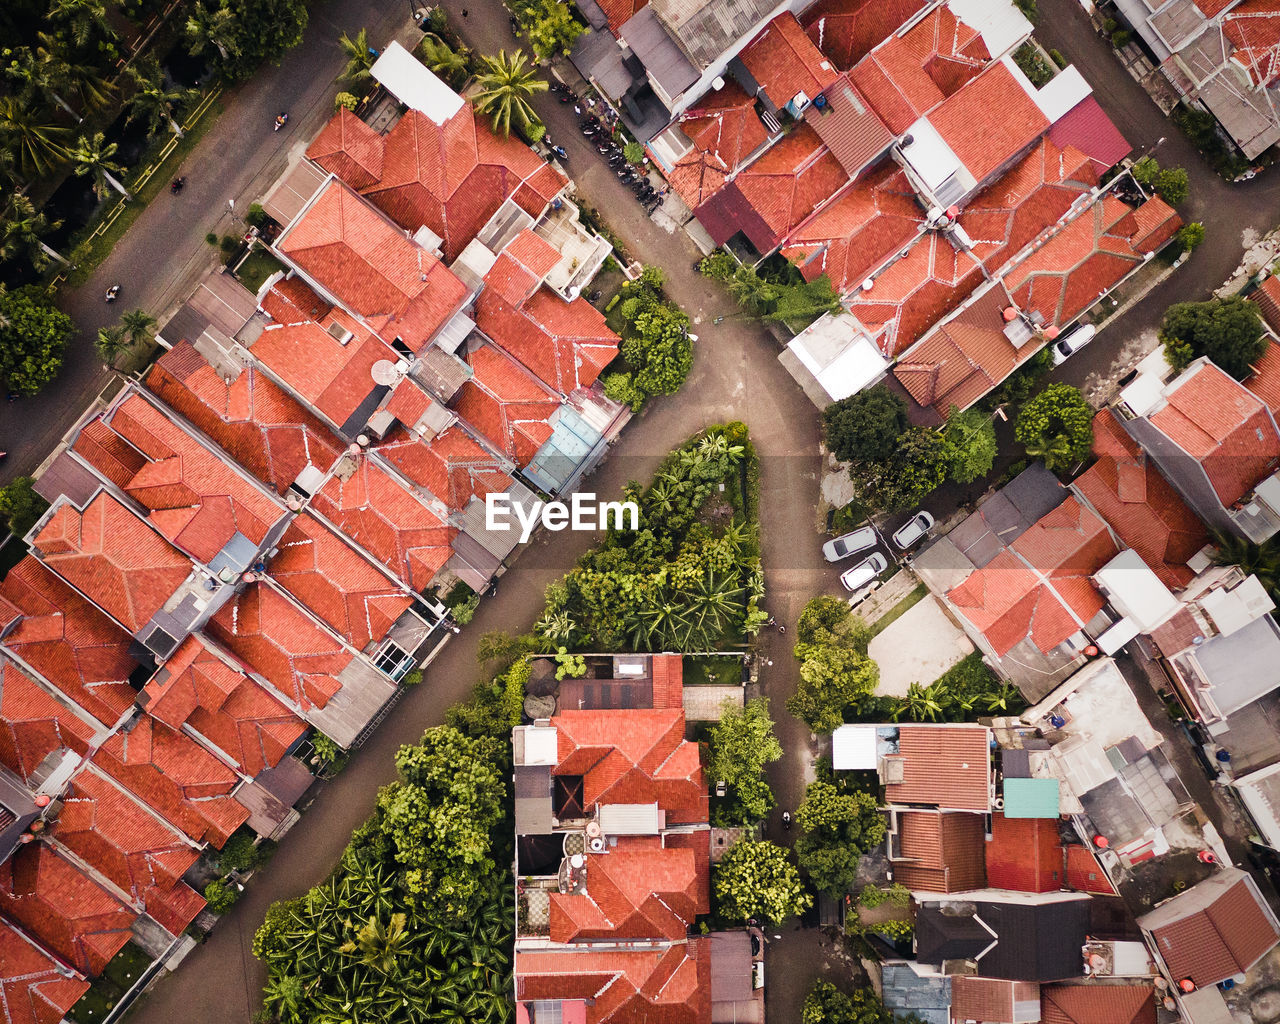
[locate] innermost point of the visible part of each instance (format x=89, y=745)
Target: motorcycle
x=282, y=119
x=786, y=820
x=588, y=131
x=175, y=186
x=112, y=292
x=561, y=152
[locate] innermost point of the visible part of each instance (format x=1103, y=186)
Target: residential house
x=922, y=766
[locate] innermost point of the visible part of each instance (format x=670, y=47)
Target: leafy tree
x=22, y=228
x=752, y=292
x=827, y=620
x=741, y=744
x=83, y=20
x=550, y=27
x=1056, y=426
x=378, y=944
x=835, y=672
x=440, y=58
x=345, y=101
x=37, y=142
x=621, y=387
x=91, y=157
x=20, y=506
x=506, y=87
x=220, y=896
x=971, y=445
x=657, y=346
x=153, y=101
x=138, y=325
x=756, y=880
x=1190, y=236
x=633, y=152
x=915, y=467
x=239, y=853
x=33, y=338
x=359, y=56
x=1228, y=331
x=1145, y=171
x=865, y=426
x=838, y=827
x=804, y=301
x=239, y=36
x=1172, y=185
x=719, y=265
x=826, y=1004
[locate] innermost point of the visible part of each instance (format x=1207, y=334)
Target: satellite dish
x=384, y=372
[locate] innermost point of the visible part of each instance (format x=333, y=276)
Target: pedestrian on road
x=781, y=628
x=464, y=12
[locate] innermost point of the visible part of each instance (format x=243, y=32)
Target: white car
x=1072, y=342
x=864, y=572
x=913, y=530
x=849, y=544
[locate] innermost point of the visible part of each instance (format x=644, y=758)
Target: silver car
x=913, y=530
x=864, y=572
x=849, y=544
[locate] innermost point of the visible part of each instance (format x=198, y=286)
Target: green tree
x=832, y=679
x=865, y=426
x=91, y=157
x=633, y=152
x=111, y=344
x=838, y=828
x=621, y=387
x=550, y=27
x=153, y=102
x=138, y=325
x=1261, y=560
x=756, y=880
x=379, y=944
x=1056, y=426
x=22, y=231
x=220, y=896
x=33, y=338
x=971, y=445
x=83, y=20
x=37, y=143
x=441, y=59
x=20, y=505
x=657, y=347
x=1190, y=236
x=915, y=467
x=752, y=292
x=359, y=56
x=239, y=36
x=506, y=87
x=1145, y=171
x=1172, y=185
x=1228, y=331
x=741, y=744
x=803, y=302
x=826, y=1004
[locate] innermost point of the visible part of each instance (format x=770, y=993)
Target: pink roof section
x=363, y=501
x=1087, y=127
x=1223, y=426
x=353, y=251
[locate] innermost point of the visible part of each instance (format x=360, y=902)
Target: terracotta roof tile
x=786, y=63
x=1254, y=30
x=1265, y=381
x=667, y=676
x=291, y=300
x=940, y=851
x=1224, y=938
x=450, y=466
x=34, y=987
x=990, y=999
x=725, y=130
x=349, y=148
x=34, y=725
x=631, y=893
x=506, y=404
x=1267, y=296
x=989, y=121
x=945, y=766
x=847, y=30
x=1097, y=1004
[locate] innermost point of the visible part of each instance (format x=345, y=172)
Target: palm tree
x=359, y=57
x=138, y=325
x=21, y=228
x=213, y=30
x=283, y=995
x=506, y=89
x=37, y=143
x=557, y=628
x=752, y=292
x=92, y=158
x=439, y=57
x=380, y=945
x=80, y=81
x=1261, y=560
x=154, y=101
x=84, y=18
x=111, y=343
x=1054, y=450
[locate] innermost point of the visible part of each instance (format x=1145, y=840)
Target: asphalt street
x=736, y=375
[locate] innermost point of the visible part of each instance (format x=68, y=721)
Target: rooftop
x=945, y=766
x=991, y=999
x=724, y=129
x=507, y=404
x=938, y=851
x=1028, y=855
x=1015, y=941
x=1097, y=1004
x=35, y=725
x=34, y=987
x=1087, y=128
x=451, y=465
x=1254, y=30
x=786, y=63
x=847, y=30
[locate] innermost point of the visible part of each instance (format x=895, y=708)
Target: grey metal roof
x=1243, y=666
x=730, y=966
x=662, y=57
x=533, y=799
x=706, y=28
x=598, y=57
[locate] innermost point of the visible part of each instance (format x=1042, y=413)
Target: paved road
x=162, y=256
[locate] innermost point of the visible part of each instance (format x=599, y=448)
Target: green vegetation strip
x=900, y=609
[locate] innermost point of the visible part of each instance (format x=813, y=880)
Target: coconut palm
x=138, y=325
x=443, y=60
x=359, y=56
x=506, y=88
x=36, y=143
x=1054, y=450
x=83, y=19
x=82, y=82
x=1261, y=560
x=213, y=30
x=91, y=157
x=111, y=344
x=380, y=945
x=21, y=229
x=153, y=101
x=751, y=291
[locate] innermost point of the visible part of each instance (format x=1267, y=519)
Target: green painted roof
x=1031, y=798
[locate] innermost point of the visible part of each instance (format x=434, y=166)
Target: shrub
x=257, y=217
x=1028, y=59
x=633, y=152
x=21, y=506
x=326, y=749
x=1121, y=38
x=1190, y=236
x=240, y=854
x=620, y=387
x=1172, y=185
x=718, y=265
x=220, y=897
x=412, y=678
x=1056, y=426
x=465, y=611
x=345, y=101
x=1057, y=57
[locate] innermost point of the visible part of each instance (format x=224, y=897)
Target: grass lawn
x=702, y=670
x=256, y=268
x=118, y=977
x=900, y=609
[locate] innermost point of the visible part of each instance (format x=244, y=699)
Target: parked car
x=850, y=544
x=1072, y=342
x=864, y=572
x=913, y=530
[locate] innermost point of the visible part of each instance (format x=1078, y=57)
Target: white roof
x=1062, y=94
x=1260, y=792
x=630, y=819
x=1136, y=592
x=1002, y=25
x=853, y=747
x=409, y=81
x=1117, y=636
x=1147, y=389
x=535, y=744
x=1235, y=608
x=840, y=356
x=929, y=156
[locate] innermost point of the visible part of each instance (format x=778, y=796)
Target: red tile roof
x=1267, y=296
x=908, y=75
x=451, y=177
x=349, y=148
x=1265, y=381
x=1211, y=944
x=507, y=404
x=847, y=30
x=112, y=554
x=281, y=644
x=69, y=642
x=336, y=583
x=1028, y=855
x=1254, y=30
x=633, y=756
x=1040, y=588
x=451, y=466
x=989, y=121
x=850, y=128
x=990, y=999
x=1222, y=425
x=332, y=377
x=368, y=264
x=940, y=851
x=669, y=985
x=1129, y=492
x=725, y=130
x=1092, y=253
x=193, y=496
x=235, y=714
x=786, y=63
x=291, y=301
x=1087, y=128
x=566, y=344
x=944, y=766
x=1097, y=1004
x=376, y=511
x=176, y=777
x=667, y=676
x=34, y=725
x=255, y=421
x=76, y=918
x=126, y=843
x=34, y=987
x=619, y=12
